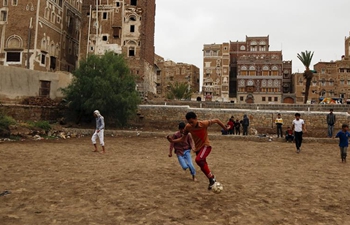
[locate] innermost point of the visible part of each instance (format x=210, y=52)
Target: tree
x=306, y=58
x=104, y=83
x=179, y=91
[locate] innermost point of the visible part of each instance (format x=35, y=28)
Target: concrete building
x=124, y=27
x=17, y=84
x=169, y=72
x=40, y=35
x=330, y=83
x=246, y=72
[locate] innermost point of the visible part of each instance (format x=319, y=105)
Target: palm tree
x=179, y=91
x=306, y=58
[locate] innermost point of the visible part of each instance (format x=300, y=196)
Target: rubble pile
x=41, y=101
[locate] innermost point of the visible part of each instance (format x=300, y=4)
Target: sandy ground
x=63, y=182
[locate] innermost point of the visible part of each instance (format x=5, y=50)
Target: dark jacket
x=245, y=121
x=331, y=119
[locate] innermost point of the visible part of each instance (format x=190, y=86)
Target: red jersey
x=199, y=133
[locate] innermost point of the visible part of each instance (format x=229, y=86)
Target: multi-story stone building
x=330, y=83
x=40, y=35
x=216, y=69
x=246, y=72
x=169, y=72
x=124, y=27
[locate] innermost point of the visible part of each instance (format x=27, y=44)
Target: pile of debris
x=41, y=101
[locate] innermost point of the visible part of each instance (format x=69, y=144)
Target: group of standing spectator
x=234, y=126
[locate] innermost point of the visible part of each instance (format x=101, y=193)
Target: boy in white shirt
x=298, y=128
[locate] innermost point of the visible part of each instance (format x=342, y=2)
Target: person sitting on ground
x=289, y=135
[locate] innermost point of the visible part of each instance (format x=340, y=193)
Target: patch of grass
x=45, y=125
x=6, y=121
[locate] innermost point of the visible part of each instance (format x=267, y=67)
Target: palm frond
x=306, y=58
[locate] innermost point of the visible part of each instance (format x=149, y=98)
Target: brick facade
x=171, y=72
x=246, y=71
x=125, y=27
x=330, y=83
x=48, y=29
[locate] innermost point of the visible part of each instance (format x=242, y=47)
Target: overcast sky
x=184, y=26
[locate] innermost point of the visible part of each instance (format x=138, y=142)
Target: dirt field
x=63, y=182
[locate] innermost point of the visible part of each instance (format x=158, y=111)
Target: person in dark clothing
x=238, y=127
x=245, y=124
x=330, y=121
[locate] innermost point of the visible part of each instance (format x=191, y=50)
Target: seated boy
x=289, y=135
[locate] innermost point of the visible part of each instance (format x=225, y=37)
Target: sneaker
x=298, y=150
x=211, y=183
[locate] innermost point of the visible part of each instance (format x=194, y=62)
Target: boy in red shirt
x=183, y=151
x=199, y=132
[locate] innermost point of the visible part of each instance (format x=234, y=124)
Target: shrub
x=6, y=121
x=45, y=125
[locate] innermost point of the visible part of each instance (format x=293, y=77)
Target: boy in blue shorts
x=343, y=136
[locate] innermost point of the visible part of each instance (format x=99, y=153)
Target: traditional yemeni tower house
x=246, y=72
x=40, y=34
x=124, y=27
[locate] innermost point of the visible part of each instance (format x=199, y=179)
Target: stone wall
x=168, y=116
x=31, y=113
x=277, y=106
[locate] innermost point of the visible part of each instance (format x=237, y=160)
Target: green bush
x=6, y=121
x=45, y=125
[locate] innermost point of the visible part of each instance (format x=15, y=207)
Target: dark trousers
x=238, y=130
x=279, y=130
x=245, y=130
x=298, y=138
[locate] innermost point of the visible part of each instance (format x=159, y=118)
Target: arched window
x=252, y=71
x=243, y=71
x=274, y=71
x=132, y=18
x=14, y=41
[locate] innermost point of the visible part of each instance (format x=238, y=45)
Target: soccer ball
x=217, y=187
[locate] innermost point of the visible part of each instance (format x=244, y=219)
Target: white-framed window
x=104, y=15
x=14, y=57
x=207, y=53
x=5, y=3
x=42, y=58
x=14, y=2
x=3, y=15
x=131, y=51
x=53, y=17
